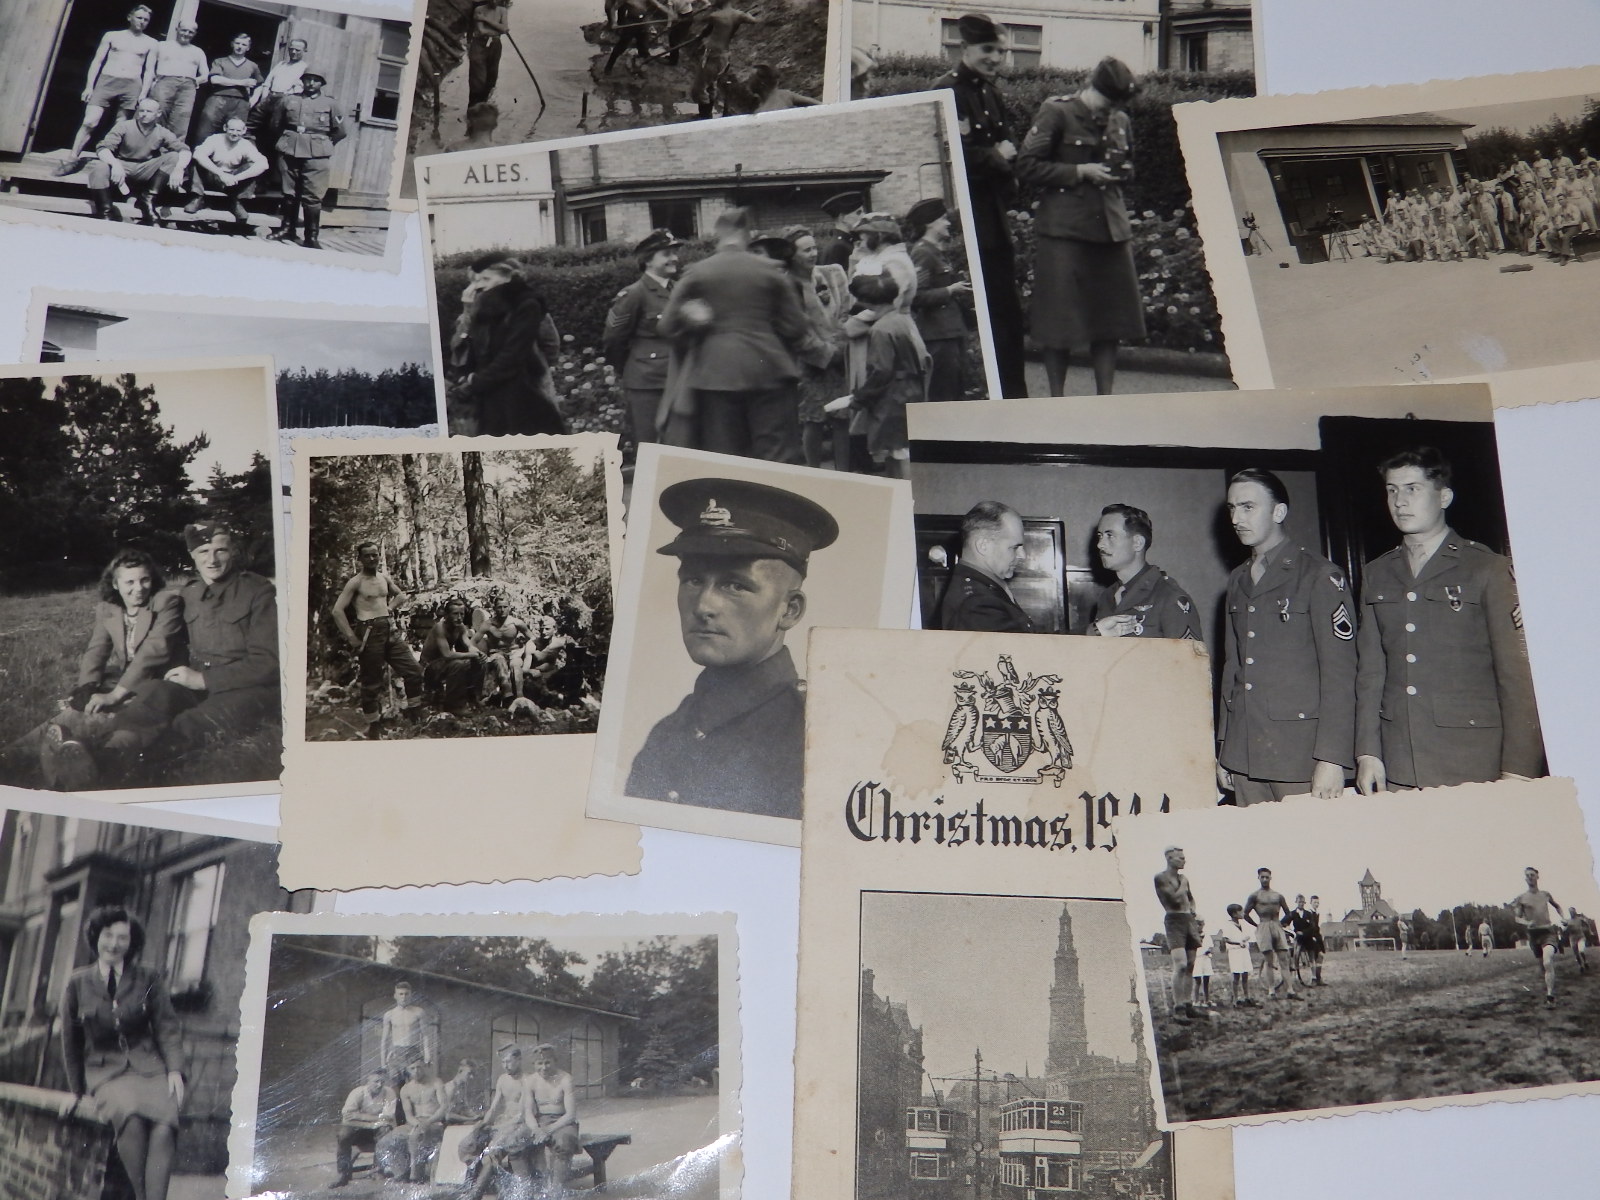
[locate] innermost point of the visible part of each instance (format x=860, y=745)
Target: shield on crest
x=1007, y=739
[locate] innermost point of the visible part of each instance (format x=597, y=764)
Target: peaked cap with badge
x=736, y=518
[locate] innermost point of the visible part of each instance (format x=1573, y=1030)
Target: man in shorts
x=408, y=1032
x=1182, y=929
x=501, y=1139
x=116, y=80
x=1271, y=939
x=1486, y=937
x=1578, y=936
x=1533, y=911
x=550, y=1112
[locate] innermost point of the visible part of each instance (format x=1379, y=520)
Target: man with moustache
x=1444, y=694
x=990, y=155
x=992, y=548
x=631, y=341
x=1287, y=720
x=737, y=740
x=1145, y=601
x=173, y=75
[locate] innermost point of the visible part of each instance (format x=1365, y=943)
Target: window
x=194, y=916
x=588, y=1057
x=394, y=42
x=1015, y=1174
x=1194, y=52
x=930, y=1166
x=66, y=839
x=1024, y=44
x=513, y=1029
x=681, y=217
x=911, y=1118
x=1428, y=172
x=592, y=226
x=1053, y=1171
x=20, y=974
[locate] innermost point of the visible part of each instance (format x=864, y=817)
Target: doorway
x=87, y=22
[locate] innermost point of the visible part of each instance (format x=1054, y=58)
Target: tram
x=935, y=1139
x=1041, y=1149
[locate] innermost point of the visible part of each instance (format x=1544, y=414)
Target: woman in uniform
x=120, y=1040
x=937, y=304
x=1085, y=290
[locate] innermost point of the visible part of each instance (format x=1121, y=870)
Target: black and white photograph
x=528, y=1056
x=779, y=287
x=121, y=970
x=1343, y=555
x=727, y=565
x=530, y=70
x=1405, y=235
x=1014, y=1070
x=1321, y=956
x=141, y=658
x=457, y=594
x=341, y=371
x=1094, y=277
x=260, y=127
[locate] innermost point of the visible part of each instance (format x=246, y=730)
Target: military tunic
x=638, y=351
x=1289, y=669
x=1163, y=609
x=1444, y=694
x=939, y=319
x=982, y=116
x=737, y=742
x=312, y=126
x=980, y=602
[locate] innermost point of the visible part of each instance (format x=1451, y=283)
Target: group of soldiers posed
x=1422, y=682
x=779, y=345
x=1527, y=207
x=158, y=147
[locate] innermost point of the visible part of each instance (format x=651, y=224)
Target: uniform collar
x=966, y=75
x=1445, y=536
x=216, y=590
x=723, y=694
x=656, y=282
x=1147, y=578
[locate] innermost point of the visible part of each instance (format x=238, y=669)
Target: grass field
x=1437, y=1023
x=41, y=637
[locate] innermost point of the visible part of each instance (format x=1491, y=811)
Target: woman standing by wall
x=1085, y=289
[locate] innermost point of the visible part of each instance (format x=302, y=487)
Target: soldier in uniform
x=630, y=340
x=846, y=209
x=989, y=153
x=1444, y=694
x=991, y=550
x=230, y=685
x=312, y=126
x=1287, y=720
x=939, y=296
x=1145, y=601
x=737, y=740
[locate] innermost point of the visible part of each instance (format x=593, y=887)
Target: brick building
x=194, y=893
x=323, y=1031
x=888, y=1081
x=1207, y=35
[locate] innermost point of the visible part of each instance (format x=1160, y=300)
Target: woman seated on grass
x=136, y=636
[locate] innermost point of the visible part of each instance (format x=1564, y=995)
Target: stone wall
x=43, y=1154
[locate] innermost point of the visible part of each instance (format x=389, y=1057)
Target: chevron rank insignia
x=1516, y=615
x=1343, y=628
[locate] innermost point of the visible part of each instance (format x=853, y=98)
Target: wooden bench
x=448, y=1167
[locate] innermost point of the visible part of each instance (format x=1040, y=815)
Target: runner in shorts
x=1271, y=939
x=1578, y=936
x=1532, y=910
x=1182, y=929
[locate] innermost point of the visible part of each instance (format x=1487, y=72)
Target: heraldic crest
x=1009, y=720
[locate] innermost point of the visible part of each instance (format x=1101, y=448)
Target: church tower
x=1371, y=892
x=1069, y=1031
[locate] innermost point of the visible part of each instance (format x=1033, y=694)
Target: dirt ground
x=1437, y=1023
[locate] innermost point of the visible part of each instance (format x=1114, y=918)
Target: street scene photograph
x=1324, y=955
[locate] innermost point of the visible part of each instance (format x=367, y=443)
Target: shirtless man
x=1271, y=940
x=426, y=1101
x=501, y=1137
x=1182, y=928
x=407, y=1032
x=551, y=1114
x=1538, y=913
x=1578, y=936
x=375, y=635
x=501, y=639
x=116, y=78
x=713, y=30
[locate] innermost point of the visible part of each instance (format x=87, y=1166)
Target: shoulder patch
x=1343, y=628
x=1185, y=604
x=1337, y=580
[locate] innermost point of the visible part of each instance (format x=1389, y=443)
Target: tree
x=671, y=986
x=477, y=527
x=532, y=966
x=244, y=502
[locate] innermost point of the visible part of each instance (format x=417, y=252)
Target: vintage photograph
x=586, y=66
x=777, y=287
x=449, y=651
x=265, y=124
x=1051, y=1100
x=1091, y=260
x=703, y=729
x=141, y=652
x=528, y=1056
x=1343, y=555
x=1393, y=978
x=1404, y=235
x=341, y=371
x=121, y=969
x=457, y=594
x=968, y=1024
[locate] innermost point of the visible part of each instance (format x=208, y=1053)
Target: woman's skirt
x=127, y=1095
x=1084, y=292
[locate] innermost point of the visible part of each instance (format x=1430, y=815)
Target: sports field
x=1437, y=1023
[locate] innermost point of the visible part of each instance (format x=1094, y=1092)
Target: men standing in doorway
x=990, y=154
x=1444, y=694
x=1145, y=601
x=173, y=75
x=312, y=127
x=1287, y=720
x=116, y=80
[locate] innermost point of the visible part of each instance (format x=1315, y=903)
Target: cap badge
x=714, y=517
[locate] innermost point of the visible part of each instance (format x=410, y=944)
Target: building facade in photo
x=504, y=204
x=1291, y=179
x=194, y=894
x=1207, y=36
x=888, y=1084
x=72, y=332
x=1375, y=917
x=1039, y=33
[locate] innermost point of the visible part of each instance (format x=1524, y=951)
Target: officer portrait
x=727, y=566
x=1343, y=557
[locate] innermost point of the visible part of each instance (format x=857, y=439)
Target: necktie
x=111, y=984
